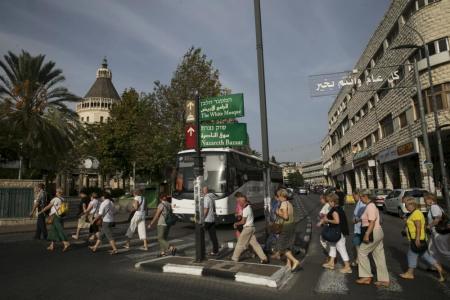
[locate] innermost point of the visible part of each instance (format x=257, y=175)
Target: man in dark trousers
x=209, y=219
x=39, y=203
x=341, y=195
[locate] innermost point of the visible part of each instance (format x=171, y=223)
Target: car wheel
x=400, y=212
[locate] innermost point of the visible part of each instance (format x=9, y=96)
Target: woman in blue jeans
x=415, y=228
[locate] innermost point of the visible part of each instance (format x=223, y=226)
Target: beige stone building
x=290, y=167
x=375, y=138
x=313, y=173
x=102, y=95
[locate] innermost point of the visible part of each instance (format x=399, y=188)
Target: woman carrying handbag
x=56, y=233
x=415, y=229
x=287, y=231
x=334, y=232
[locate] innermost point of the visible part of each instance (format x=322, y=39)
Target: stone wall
x=16, y=183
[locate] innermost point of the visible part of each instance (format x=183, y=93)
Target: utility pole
x=423, y=122
x=263, y=108
x=198, y=173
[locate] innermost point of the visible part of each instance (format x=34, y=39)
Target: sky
x=145, y=40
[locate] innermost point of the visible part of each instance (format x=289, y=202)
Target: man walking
x=341, y=195
x=209, y=221
x=247, y=236
x=39, y=203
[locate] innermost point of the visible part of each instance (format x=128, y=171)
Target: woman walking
x=106, y=215
x=163, y=210
x=439, y=230
x=360, y=207
x=372, y=242
x=83, y=214
x=323, y=215
x=138, y=221
x=336, y=218
x=415, y=231
x=56, y=233
x=93, y=209
x=287, y=235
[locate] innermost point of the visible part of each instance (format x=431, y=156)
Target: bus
x=226, y=172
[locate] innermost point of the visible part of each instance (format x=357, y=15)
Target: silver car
x=394, y=200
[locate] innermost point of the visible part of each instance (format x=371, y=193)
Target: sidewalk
x=265, y=275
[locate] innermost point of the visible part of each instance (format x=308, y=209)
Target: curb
x=276, y=280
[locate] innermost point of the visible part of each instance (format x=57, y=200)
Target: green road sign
x=222, y=107
x=224, y=135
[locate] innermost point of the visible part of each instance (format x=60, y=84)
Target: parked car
x=379, y=196
x=394, y=200
x=303, y=191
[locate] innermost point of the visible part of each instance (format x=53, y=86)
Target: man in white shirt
x=106, y=214
x=209, y=221
x=247, y=236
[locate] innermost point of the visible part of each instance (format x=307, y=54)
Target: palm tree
x=38, y=124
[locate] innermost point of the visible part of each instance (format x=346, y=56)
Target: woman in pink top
x=372, y=237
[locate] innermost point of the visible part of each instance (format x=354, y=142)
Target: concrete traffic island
x=250, y=273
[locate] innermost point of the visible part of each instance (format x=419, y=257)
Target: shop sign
x=361, y=155
x=397, y=152
x=405, y=149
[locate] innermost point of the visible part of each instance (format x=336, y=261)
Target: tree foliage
x=36, y=123
x=296, y=179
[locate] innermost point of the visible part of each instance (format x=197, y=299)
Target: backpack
x=63, y=208
x=170, y=218
x=443, y=226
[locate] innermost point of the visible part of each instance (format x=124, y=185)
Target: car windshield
x=415, y=193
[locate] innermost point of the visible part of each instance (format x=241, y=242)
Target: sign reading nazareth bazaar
x=222, y=107
x=223, y=135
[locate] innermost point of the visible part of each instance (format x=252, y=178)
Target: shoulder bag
x=443, y=226
x=331, y=233
x=276, y=227
x=170, y=217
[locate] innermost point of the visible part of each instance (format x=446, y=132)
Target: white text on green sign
x=222, y=107
x=224, y=135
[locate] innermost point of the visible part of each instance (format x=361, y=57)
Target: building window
x=387, y=126
x=371, y=103
x=403, y=119
x=364, y=110
x=87, y=119
x=382, y=92
x=376, y=136
x=378, y=55
x=369, y=141
x=392, y=34
x=101, y=119
x=442, y=92
x=82, y=119
x=435, y=47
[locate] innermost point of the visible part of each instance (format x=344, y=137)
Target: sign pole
x=198, y=173
x=263, y=108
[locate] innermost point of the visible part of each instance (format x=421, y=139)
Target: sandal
x=162, y=254
x=173, y=251
x=113, y=252
x=50, y=248
x=93, y=249
x=66, y=248
x=364, y=280
x=382, y=284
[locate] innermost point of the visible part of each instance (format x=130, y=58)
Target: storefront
x=400, y=166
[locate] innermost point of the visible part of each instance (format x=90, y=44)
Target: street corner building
x=375, y=137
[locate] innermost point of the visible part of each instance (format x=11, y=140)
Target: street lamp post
x=435, y=112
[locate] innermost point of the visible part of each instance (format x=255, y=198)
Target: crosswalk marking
x=332, y=282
